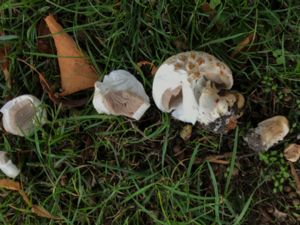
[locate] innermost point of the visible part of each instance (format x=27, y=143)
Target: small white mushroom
x=22, y=114
x=292, y=152
x=268, y=133
x=7, y=166
x=121, y=93
x=189, y=86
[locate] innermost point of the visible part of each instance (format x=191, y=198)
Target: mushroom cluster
x=194, y=86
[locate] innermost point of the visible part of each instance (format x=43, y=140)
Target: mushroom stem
x=7, y=166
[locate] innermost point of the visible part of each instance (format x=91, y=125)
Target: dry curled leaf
x=4, y=64
x=10, y=184
x=217, y=159
x=296, y=177
x=243, y=44
x=41, y=212
x=65, y=103
x=75, y=71
x=15, y=186
x=25, y=197
x=292, y=152
x=153, y=68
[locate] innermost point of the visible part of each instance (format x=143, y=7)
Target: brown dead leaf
x=4, y=64
x=296, y=177
x=218, y=159
x=153, y=68
x=10, y=184
x=25, y=197
x=41, y=212
x=186, y=132
x=15, y=186
x=292, y=152
x=207, y=9
x=75, y=71
x=55, y=98
x=65, y=103
x=243, y=44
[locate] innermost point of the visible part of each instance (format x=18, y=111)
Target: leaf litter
x=36, y=209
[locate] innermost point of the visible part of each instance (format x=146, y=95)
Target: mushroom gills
x=123, y=103
x=267, y=134
x=120, y=93
x=22, y=114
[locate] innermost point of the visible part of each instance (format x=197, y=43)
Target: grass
x=97, y=169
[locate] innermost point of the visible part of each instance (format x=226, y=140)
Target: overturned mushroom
x=292, y=152
x=22, y=114
x=7, y=166
x=268, y=133
x=190, y=86
x=121, y=93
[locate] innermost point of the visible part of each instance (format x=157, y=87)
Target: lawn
x=89, y=168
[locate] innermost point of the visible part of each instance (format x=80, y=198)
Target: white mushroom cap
x=181, y=85
x=268, y=133
x=7, y=166
x=121, y=93
x=22, y=114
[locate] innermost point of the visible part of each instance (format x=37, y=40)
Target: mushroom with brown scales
x=7, y=166
x=267, y=134
x=22, y=114
x=120, y=93
x=194, y=86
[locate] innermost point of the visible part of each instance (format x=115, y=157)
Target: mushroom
x=268, y=133
x=22, y=114
x=191, y=86
x=120, y=93
x=7, y=166
x=292, y=152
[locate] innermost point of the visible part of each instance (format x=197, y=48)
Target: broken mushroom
x=22, y=114
x=268, y=133
x=292, y=152
x=7, y=166
x=120, y=93
x=191, y=86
